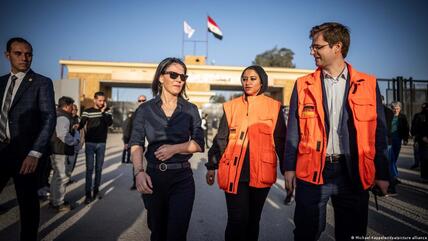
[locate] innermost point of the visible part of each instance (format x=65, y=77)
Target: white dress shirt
x=335, y=93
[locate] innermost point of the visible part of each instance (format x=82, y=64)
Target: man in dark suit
x=27, y=121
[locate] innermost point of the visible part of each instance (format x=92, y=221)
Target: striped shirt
x=96, y=123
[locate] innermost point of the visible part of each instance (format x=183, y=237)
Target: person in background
x=27, y=121
x=172, y=127
x=420, y=132
x=336, y=140
x=245, y=151
x=127, y=135
x=126, y=127
x=204, y=126
x=96, y=119
x=399, y=134
x=72, y=159
x=413, y=131
x=62, y=146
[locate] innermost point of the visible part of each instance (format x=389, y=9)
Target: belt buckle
x=332, y=159
x=163, y=167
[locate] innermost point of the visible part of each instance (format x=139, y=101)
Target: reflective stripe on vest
x=313, y=139
x=251, y=122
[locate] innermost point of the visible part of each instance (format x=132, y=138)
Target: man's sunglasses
x=141, y=100
x=174, y=75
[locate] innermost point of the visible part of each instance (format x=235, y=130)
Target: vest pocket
x=223, y=172
x=268, y=167
x=304, y=157
x=368, y=167
x=364, y=109
x=304, y=145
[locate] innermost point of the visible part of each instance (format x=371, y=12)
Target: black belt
x=171, y=166
x=334, y=158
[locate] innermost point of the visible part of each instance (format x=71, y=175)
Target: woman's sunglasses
x=174, y=75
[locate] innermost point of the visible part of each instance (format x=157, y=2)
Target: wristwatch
x=136, y=171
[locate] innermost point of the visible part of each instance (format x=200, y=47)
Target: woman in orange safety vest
x=245, y=151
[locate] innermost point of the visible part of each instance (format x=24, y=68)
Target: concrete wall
x=67, y=87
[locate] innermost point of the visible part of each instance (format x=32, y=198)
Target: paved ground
x=120, y=215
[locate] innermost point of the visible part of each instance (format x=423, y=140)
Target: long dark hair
x=163, y=65
x=262, y=76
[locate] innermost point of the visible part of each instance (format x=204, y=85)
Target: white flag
x=188, y=30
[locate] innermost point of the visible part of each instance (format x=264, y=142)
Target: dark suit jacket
x=32, y=116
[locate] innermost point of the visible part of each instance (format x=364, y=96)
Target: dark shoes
x=88, y=198
x=391, y=190
x=65, y=207
x=97, y=194
x=91, y=197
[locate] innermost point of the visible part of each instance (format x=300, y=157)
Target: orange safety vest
x=313, y=139
x=250, y=121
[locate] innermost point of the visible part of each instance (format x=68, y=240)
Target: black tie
x=5, y=109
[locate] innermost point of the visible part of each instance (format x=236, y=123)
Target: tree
x=275, y=57
x=217, y=99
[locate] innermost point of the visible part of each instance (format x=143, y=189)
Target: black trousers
x=170, y=206
x=423, y=157
x=26, y=192
x=350, y=206
x=244, y=210
x=44, y=169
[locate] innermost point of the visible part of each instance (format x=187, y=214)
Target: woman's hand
x=144, y=183
x=165, y=152
x=210, y=176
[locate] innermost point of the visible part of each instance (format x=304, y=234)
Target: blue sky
x=388, y=38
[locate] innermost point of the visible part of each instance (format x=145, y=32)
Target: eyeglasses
x=174, y=75
x=315, y=47
x=141, y=100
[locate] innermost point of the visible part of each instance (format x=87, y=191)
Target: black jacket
x=31, y=117
x=403, y=127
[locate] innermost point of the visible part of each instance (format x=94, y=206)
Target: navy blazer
x=348, y=139
x=32, y=116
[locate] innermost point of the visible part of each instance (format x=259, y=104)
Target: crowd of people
x=340, y=141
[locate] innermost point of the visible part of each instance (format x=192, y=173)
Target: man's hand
x=104, y=107
x=125, y=146
x=425, y=139
x=144, y=183
x=290, y=180
x=210, y=176
x=383, y=186
x=165, y=152
x=29, y=165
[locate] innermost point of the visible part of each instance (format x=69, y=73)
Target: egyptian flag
x=213, y=28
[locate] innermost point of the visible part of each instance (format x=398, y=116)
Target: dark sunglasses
x=141, y=100
x=174, y=75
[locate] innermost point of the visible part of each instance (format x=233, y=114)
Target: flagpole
x=206, y=58
x=182, y=45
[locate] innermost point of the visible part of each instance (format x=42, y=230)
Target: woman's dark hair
x=262, y=76
x=163, y=65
